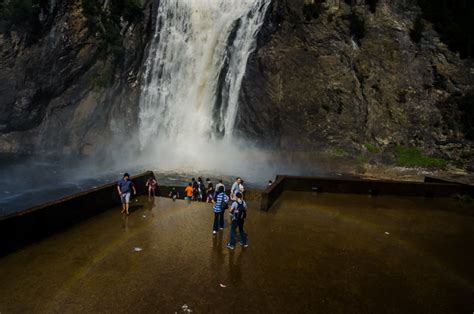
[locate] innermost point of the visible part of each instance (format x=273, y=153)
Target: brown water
x=322, y=253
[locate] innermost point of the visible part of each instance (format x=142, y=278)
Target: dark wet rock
x=311, y=85
x=62, y=93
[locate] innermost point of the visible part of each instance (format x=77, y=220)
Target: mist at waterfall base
x=33, y=180
x=221, y=159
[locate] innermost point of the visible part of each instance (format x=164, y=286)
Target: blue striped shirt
x=218, y=202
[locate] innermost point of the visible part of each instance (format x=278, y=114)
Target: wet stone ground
x=322, y=253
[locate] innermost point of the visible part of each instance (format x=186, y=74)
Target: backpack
x=240, y=212
x=224, y=204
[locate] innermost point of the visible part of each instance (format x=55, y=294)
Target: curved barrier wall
x=27, y=226
x=432, y=187
x=24, y=227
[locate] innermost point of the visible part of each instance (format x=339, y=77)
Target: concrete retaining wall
x=431, y=188
x=272, y=193
x=30, y=225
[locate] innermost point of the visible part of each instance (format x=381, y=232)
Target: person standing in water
x=174, y=194
x=209, y=191
x=239, y=213
x=235, y=188
x=220, y=204
x=201, y=189
x=195, y=189
x=151, y=184
x=124, y=188
x=242, y=188
x=189, y=192
x=218, y=185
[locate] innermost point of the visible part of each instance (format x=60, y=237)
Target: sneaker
x=230, y=246
x=244, y=245
x=221, y=228
x=214, y=232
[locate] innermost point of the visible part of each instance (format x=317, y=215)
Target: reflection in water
x=217, y=256
x=151, y=205
x=235, y=266
x=125, y=218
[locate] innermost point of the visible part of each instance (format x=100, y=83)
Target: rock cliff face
x=326, y=74
x=63, y=92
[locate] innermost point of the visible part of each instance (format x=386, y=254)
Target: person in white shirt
x=235, y=188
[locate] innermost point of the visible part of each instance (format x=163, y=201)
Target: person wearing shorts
x=189, y=192
x=125, y=187
x=151, y=184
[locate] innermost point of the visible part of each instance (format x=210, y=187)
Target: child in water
x=189, y=192
x=151, y=184
x=174, y=194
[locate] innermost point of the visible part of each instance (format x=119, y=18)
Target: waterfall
x=194, y=70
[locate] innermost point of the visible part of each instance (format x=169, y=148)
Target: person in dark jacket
x=195, y=189
x=209, y=191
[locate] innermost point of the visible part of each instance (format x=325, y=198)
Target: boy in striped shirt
x=220, y=205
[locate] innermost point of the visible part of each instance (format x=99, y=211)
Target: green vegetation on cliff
x=413, y=157
x=372, y=148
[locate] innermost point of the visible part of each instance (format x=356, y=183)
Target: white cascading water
x=193, y=73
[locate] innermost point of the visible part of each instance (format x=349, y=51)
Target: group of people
x=238, y=212
x=197, y=191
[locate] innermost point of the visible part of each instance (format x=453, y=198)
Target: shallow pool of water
x=310, y=253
